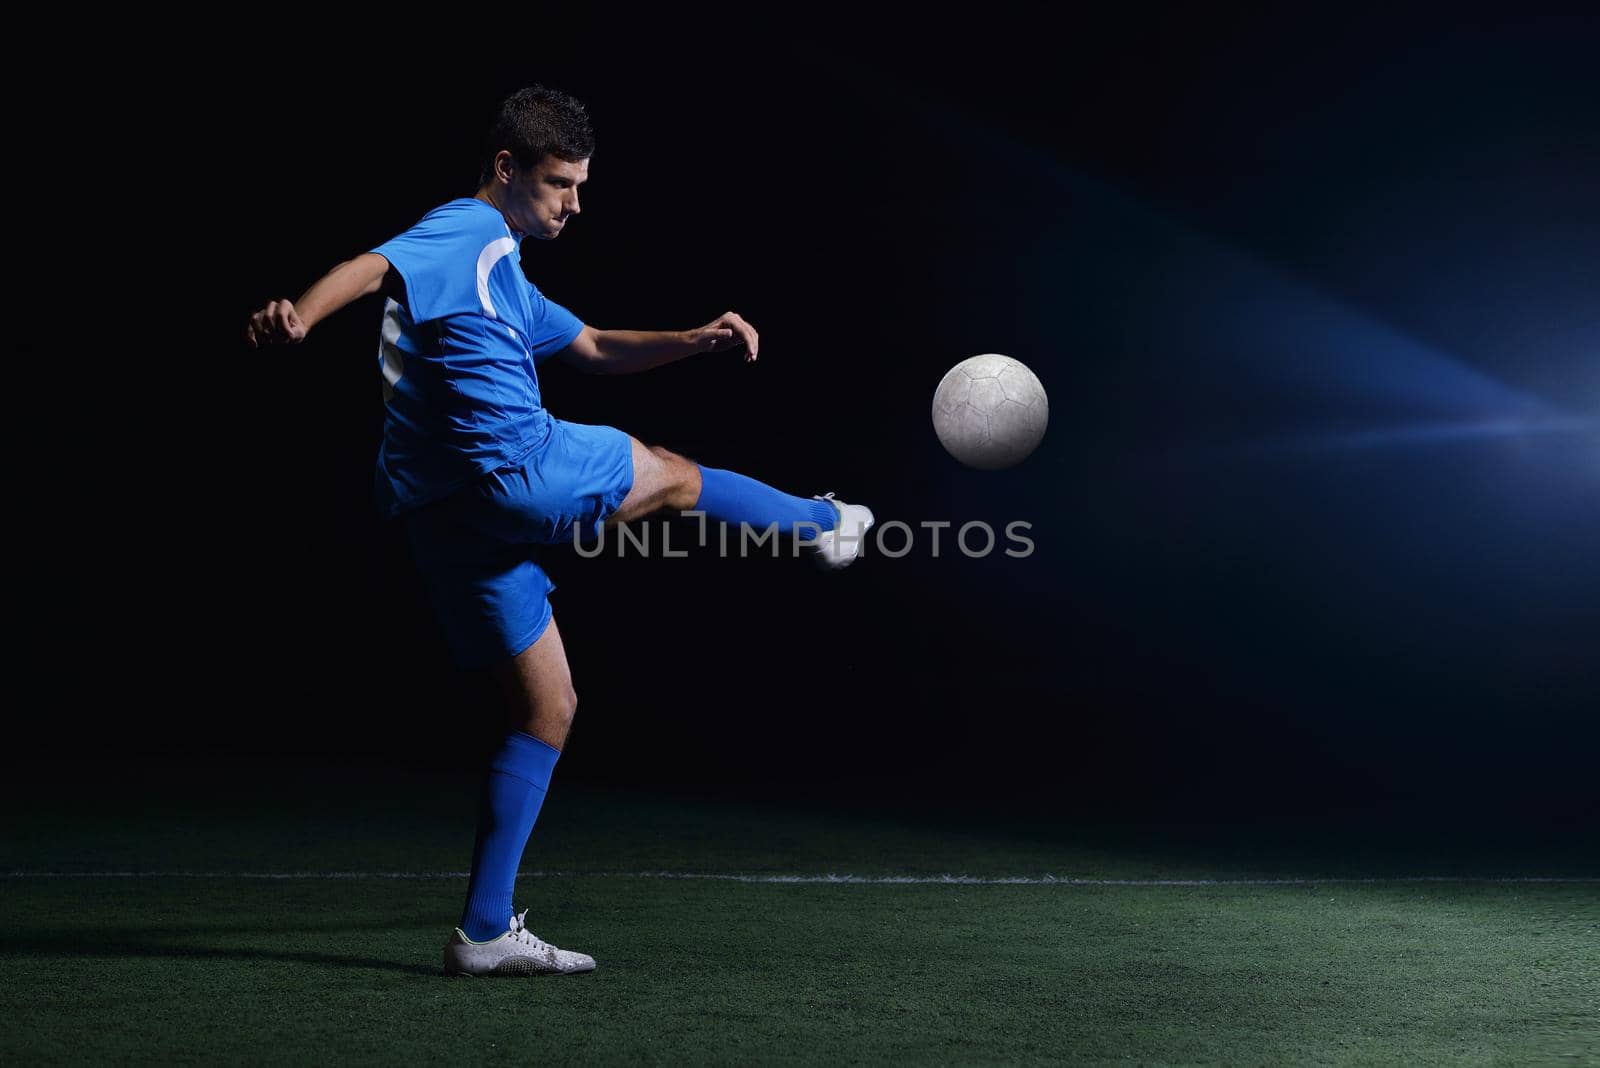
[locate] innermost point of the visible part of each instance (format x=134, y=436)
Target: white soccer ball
x=990, y=411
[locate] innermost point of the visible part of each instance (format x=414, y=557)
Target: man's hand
x=726, y=331
x=276, y=324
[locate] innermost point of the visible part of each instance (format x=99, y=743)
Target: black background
x=1166, y=217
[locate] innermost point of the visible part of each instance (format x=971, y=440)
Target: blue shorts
x=478, y=549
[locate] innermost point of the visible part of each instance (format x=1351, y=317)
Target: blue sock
x=730, y=497
x=519, y=775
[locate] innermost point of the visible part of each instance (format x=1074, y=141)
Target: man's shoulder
x=463, y=217
x=447, y=258
x=465, y=207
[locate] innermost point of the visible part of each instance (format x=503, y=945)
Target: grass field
x=178, y=932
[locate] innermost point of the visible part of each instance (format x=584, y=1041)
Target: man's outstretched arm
x=283, y=322
x=621, y=352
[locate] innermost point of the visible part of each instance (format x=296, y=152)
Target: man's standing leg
x=540, y=703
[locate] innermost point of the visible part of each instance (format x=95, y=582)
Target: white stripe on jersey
x=492, y=253
x=391, y=357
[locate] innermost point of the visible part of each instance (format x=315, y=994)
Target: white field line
x=809, y=879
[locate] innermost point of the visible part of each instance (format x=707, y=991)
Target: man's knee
x=565, y=705
x=548, y=718
x=678, y=478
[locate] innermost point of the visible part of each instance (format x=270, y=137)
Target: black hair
x=536, y=122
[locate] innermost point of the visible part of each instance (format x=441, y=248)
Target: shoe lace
x=520, y=933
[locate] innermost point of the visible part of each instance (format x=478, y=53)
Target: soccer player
x=483, y=475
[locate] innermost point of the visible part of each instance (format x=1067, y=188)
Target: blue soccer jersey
x=458, y=358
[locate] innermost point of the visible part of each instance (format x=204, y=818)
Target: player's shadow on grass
x=88, y=944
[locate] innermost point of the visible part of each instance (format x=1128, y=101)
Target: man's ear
x=505, y=165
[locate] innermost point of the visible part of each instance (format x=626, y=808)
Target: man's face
x=539, y=201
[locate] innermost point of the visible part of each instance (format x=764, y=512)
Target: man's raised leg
x=664, y=480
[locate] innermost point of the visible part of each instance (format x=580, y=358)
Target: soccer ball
x=990, y=411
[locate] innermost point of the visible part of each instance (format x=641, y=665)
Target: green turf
x=230, y=969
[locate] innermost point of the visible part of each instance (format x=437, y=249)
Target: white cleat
x=840, y=546
x=517, y=952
